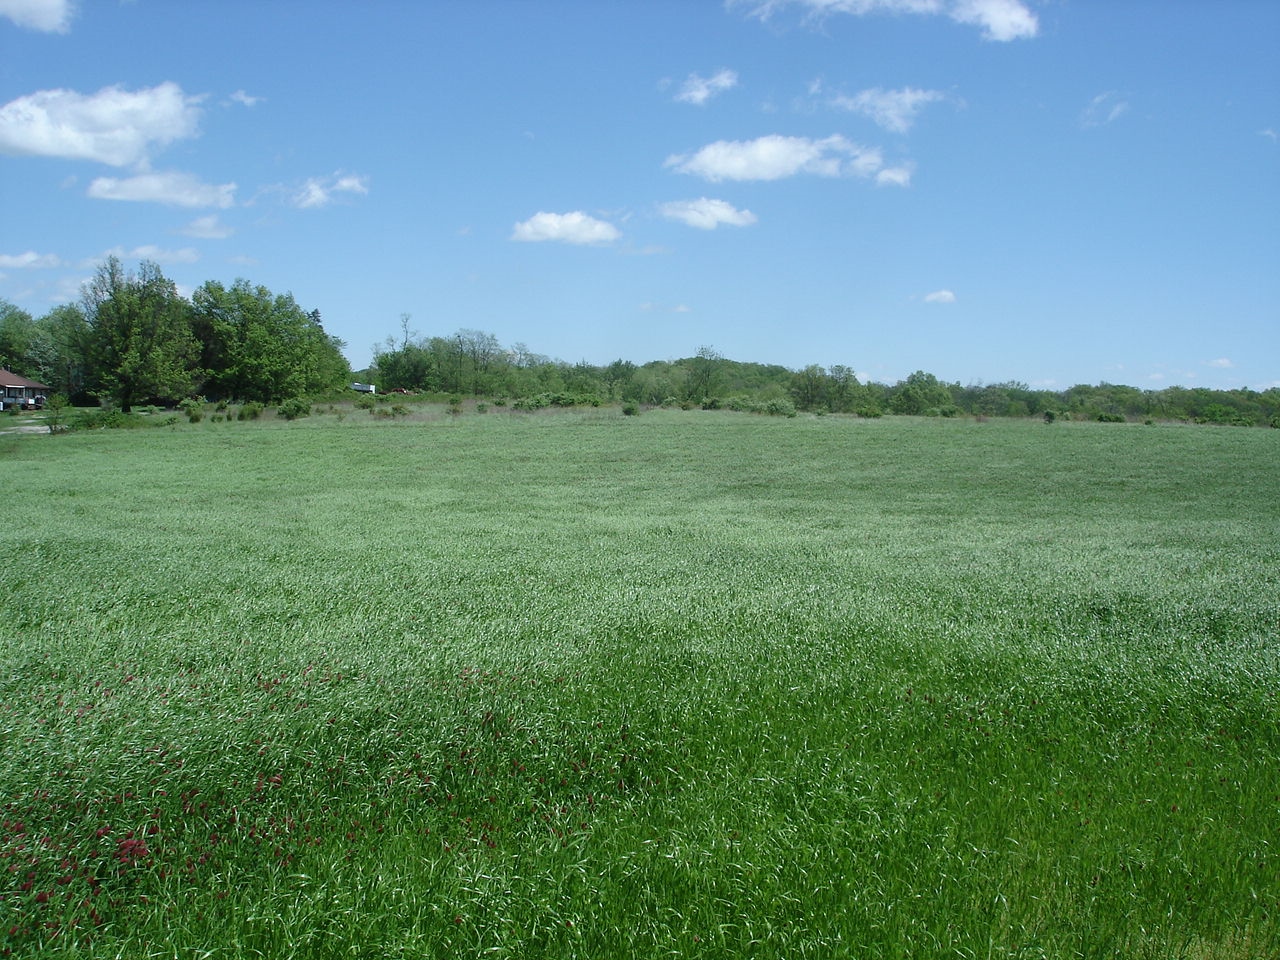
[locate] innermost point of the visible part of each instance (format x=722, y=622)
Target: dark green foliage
x=630, y=410
x=142, y=344
x=107, y=419
x=250, y=411
x=1110, y=418
x=555, y=400
x=261, y=346
x=193, y=408
x=293, y=408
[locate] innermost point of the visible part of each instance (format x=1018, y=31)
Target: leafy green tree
x=703, y=377
x=843, y=389
x=142, y=342
x=919, y=393
x=810, y=388
x=16, y=331
x=68, y=337
x=261, y=346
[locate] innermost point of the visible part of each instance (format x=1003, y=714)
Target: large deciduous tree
x=142, y=343
x=256, y=345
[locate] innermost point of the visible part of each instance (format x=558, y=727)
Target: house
x=20, y=392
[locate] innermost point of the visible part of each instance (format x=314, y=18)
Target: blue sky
x=1053, y=191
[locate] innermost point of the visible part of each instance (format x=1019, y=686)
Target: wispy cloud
x=245, y=99
x=776, y=157
x=1221, y=363
x=1269, y=134
x=48, y=16
x=707, y=214
x=319, y=192
x=171, y=188
x=940, y=296
x=698, y=90
x=1103, y=109
x=29, y=261
x=894, y=110
x=114, y=126
x=1000, y=20
x=155, y=254
x=576, y=228
x=207, y=228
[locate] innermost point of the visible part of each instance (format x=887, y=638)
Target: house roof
x=10, y=379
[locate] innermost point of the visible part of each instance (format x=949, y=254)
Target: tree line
x=471, y=362
x=134, y=339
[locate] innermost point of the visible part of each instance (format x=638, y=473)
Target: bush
x=109, y=420
x=293, y=408
x=630, y=410
x=193, y=407
x=869, y=412
x=250, y=411
x=366, y=401
x=1110, y=418
x=1050, y=416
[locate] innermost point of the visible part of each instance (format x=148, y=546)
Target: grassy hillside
x=686, y=684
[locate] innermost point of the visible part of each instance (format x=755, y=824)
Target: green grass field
x=688, y=684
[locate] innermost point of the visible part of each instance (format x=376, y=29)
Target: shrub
x=711, y=403
x=111, y=420
x=293, y=408
x=480, y=408
x=1050, y=416
x=193, y=407
x=630, y=410
x=869, y=412
x=1110, y=418
x=366, y=402
x=250, y=411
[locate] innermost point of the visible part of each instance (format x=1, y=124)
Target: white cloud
x=894, y=110
x=208, y=228
x=243, y=98
x=894, y=176
x=49, y=16
x=155, y=254
x=1269, y=134
x=1001, y=20
x=698, y=90
x=940, y=296
x=319, y=191
x=1103, y=109
x=113, y=126
x=575, y=227
x=707, y=214
x=29, y=261
x=1222, y=363
x=173, y=188
x=774, y=157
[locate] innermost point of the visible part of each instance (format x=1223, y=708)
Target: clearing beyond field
x=688, y=684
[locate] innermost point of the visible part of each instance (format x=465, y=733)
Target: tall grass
x=684, y=684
